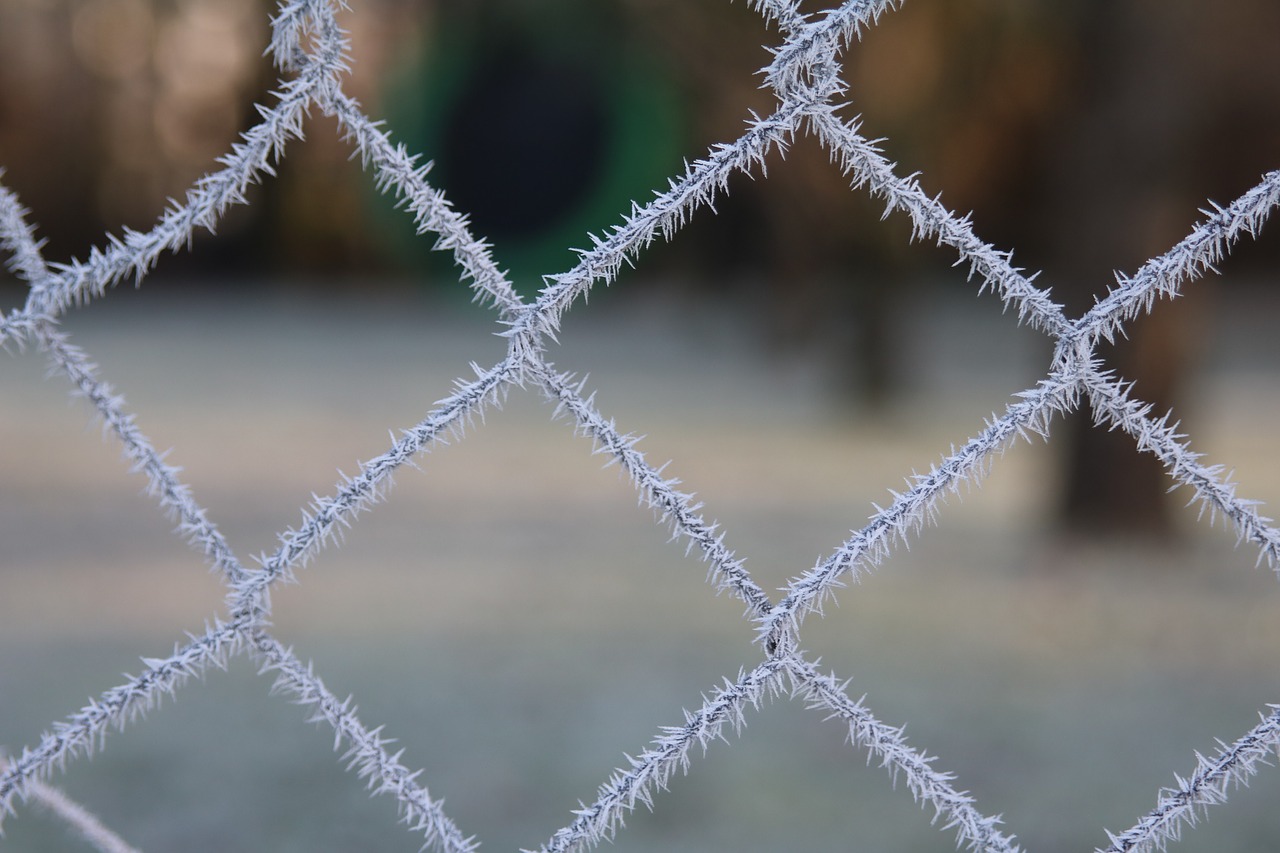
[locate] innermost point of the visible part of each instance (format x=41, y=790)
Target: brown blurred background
x=1083, y=134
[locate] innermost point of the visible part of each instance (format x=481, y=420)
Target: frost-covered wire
x=365, y=749
x=817, y=40
x=1208, y=785
x=358, y=493
x=660, y=492
x=22, y=257
x=23, y=254
x=162, y=479
x=1114, y=406
x=808, y=45
x=396, y=170
x=888, y=744
x=785, y=13
x=85, y=731
x=910, y=509
x=308, y=43
x=698, y=187
x=85, y=823
x=174, y=496
x=932, y=220
x=136, y=252
x=1197, y=253
x=653, y=768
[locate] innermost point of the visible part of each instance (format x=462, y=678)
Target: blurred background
x=1086, y=135
x=1069, y=616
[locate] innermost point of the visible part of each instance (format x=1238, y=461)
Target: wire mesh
x=311, y=50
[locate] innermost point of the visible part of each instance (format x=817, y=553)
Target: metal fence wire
x=311, y=51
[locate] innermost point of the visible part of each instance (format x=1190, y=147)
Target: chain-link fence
x=311, y=50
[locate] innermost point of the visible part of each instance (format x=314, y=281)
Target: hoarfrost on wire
x=311, y=50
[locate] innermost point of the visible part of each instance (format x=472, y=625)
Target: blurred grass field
x=518, y=623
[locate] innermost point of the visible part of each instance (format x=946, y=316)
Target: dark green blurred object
x=543, y=125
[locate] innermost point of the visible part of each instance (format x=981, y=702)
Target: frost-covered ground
x=518, y=622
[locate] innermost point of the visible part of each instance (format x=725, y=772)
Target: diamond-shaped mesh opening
x=1234, y=393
